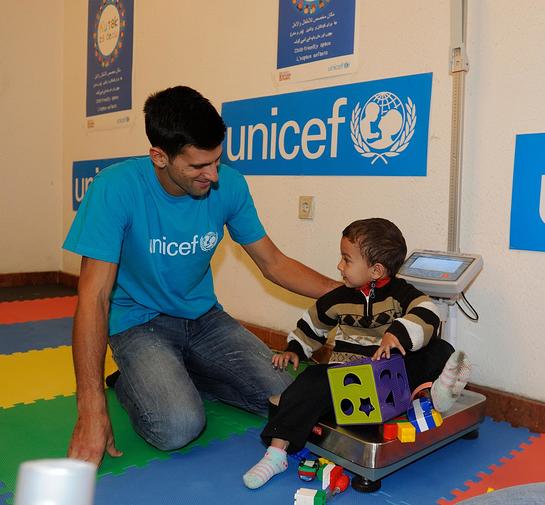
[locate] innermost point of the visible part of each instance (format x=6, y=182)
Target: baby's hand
x=281, y=360
x=389, y=342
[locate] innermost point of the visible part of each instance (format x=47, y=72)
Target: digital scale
x=440, y=274
x=361, y=449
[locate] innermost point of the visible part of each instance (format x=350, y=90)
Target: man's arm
x=93, y=431
x=287, y=272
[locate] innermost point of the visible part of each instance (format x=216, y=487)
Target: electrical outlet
x=306, y=207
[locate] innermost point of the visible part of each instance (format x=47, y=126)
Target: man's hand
x=282, y=360
x=389, y=342
x=92, y=437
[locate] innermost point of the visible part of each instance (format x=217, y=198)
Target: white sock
x=274, y=462
x=453, y=379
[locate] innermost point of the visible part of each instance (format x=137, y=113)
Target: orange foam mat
x=40, y=375
x=37, y=310
x=525, y=466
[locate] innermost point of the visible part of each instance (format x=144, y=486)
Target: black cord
x=472, y=317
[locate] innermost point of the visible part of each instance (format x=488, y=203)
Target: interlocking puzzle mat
x=523, y=466
x=37, y=310
x=43, y=428
x=37, y=414
x=36, y=375
x=22, y=337
x=212, y=473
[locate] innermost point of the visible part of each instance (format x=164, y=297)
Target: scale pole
x=458, y=68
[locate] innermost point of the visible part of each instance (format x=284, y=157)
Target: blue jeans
x=167, y=363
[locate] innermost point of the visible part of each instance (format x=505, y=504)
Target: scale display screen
x=436, y=264
x=440, y=274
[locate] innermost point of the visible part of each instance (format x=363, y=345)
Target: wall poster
x=316, y=38
x=109, y=64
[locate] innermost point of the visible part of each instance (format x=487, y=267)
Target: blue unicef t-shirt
x=163, y=244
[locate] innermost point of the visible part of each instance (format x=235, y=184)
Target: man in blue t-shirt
x=146, y=231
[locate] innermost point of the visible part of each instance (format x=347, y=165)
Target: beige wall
x=31, y=38
x=227, y=51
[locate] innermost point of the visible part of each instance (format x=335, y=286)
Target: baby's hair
x=379, y=241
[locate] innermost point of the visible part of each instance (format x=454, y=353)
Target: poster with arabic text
x=316, y=38
x=109, y=64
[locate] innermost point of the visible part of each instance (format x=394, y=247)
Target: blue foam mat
x=213, y=474
x=22, y=337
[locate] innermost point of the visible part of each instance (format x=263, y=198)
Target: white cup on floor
x=61, y=481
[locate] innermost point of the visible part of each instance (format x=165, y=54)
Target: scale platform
x=362, y=450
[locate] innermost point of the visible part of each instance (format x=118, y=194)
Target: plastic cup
x=56, y=482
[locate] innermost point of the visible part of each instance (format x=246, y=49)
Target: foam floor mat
x=37, y=310
x=35, y=375
x=22, y=337
x=208, y=473
x=43, y=429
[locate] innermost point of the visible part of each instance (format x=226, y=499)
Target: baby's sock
x=453, y=379
x=275, y=461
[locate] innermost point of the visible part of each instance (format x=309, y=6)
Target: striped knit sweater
x=353, y=325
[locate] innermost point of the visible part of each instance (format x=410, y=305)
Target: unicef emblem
x=384, y=127
x=209, y=241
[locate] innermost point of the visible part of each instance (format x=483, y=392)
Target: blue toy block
x=422, y=415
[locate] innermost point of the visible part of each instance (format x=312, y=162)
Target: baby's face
x=355, y=270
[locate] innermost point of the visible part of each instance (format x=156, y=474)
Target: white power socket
x=306, y=207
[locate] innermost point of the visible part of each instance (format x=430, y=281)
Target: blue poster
x=313, y=30
x=368, y=128
x=528, y=202
x=109, y=56
x=83, y=174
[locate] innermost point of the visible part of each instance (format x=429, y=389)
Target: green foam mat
x=42, y=430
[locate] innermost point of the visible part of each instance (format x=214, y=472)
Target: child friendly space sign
x=368, y=128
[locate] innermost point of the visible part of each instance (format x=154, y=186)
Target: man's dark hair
x=379, y=241
x=179, y=117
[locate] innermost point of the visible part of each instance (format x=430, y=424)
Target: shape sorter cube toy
x=369, y=392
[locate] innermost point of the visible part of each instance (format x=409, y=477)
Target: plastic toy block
x=323, y=461
x=406, y=432
x=304, y=453
x=307, y=470
x=422, y=415
x=305, y=496
x=369, y=392
x=389, y=431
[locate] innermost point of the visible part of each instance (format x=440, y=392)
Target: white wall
x=506, y=96
x=227, y=51
x=31, y=38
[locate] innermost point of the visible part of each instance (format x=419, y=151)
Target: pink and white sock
x=453, y=379
x=274, y=462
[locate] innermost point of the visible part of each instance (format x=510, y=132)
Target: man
x=146, y=231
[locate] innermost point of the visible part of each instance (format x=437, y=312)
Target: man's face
x=192, y=172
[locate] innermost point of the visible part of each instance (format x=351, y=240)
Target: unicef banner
x=369, y=128
x=83, y=174
x=528, y=202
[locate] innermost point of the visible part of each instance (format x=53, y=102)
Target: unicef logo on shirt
x=384, y=126
x=209, y=241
